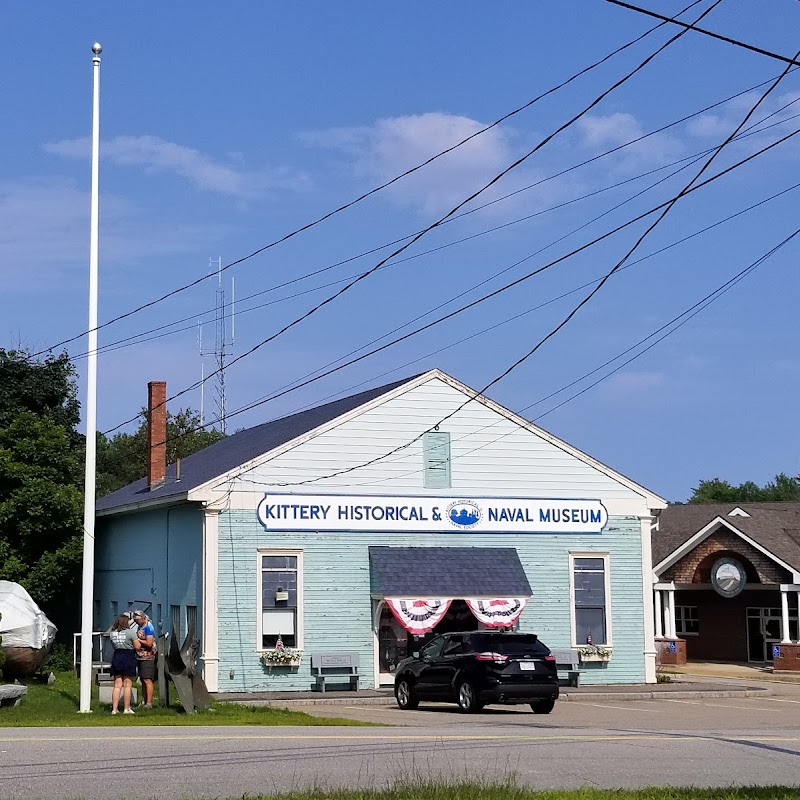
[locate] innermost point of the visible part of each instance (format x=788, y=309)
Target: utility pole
x=87, y=592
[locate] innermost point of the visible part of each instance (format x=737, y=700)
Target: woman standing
x=125, y=641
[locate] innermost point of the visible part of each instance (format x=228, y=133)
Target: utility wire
x=668, y=207
x=510, y=285
x=376, y=189
x=728, y=39
x=670, y=327
x=168, y=328
x=441, y=220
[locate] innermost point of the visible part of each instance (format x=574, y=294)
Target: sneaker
x=128, y=711
x=115, y=711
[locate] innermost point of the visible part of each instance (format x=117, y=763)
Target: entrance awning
x=461, y=572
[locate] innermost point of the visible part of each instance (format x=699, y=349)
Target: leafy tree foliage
x=41, y=476
x=122, y=459
x=782, y=488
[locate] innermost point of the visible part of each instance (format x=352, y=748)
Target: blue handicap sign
x=673, y=647
x=776, y=651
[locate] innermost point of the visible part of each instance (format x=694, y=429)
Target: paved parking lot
x=777, y=709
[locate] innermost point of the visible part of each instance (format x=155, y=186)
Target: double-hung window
x=280, y=598
x=590, y=600
x=687, y=622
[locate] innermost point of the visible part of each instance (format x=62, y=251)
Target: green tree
x=122, y=459
x=41, y=476
x=782, y=488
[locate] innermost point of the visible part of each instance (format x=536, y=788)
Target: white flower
x=286, y=655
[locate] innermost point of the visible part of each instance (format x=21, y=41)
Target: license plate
x=527, y=666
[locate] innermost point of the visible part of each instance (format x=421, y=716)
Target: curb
x=573, y=697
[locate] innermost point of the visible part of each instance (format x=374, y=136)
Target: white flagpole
x=87, y=593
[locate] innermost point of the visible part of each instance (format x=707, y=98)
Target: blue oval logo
x=464, y=514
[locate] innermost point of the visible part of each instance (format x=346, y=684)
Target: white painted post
x=672, y=632
x=785, y=617
x=87, y=591
x=659, y=615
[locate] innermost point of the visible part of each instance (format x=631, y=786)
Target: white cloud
x=601, y=132
x=158, y=155
x=44, y=232
x=719, y=124
x=390, y=146
x=627, y=385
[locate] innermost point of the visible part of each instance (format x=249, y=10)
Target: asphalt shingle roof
x=240, y=448
x=775, y=526
x=447, y=572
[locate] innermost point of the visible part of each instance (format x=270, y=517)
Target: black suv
x=479, y=667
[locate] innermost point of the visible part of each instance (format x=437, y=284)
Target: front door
x=764, y=632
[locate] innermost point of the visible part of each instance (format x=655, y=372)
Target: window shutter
x=436, y=454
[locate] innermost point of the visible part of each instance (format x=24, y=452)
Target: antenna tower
x=224, y=336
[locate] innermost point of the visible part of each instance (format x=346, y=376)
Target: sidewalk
x=712, y=670
x=688, y=688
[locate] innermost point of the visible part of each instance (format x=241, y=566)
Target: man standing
x=146, y=656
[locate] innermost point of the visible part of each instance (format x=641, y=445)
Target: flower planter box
x=586, y=657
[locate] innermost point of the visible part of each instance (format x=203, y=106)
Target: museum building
x=365, y=525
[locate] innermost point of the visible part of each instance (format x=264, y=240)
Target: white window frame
x=607, y=579
x=260, y=615
x=680, y=618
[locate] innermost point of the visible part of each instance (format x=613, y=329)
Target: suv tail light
x=550, y=657
x=498, y=658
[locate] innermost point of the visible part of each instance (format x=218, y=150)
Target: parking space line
x=626, y=708
x=780, y=700
x=742, y=708
x=688, y=702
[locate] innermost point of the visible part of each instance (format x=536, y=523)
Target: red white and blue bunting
x=498, y=613
x=419, y=616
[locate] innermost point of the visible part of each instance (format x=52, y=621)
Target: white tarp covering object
x=23, y=623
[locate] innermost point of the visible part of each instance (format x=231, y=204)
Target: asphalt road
x=704, y=742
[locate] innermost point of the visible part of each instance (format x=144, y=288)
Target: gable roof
x=773, y=526
x=247, y=447
x=237, y=449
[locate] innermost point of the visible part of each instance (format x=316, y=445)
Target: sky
x=225, y=127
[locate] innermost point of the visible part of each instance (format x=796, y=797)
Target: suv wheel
x=468, y=698
x=405, y=695
x=543, y=706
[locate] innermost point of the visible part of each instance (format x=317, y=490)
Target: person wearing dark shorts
x=146, y=656
x=125, y=642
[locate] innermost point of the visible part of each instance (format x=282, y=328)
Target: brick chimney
x=156, y=433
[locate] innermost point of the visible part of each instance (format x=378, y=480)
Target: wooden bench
x=335, y=668
x=567, y=661
x=11, y=694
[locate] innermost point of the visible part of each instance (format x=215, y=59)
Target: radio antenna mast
x=223, y=342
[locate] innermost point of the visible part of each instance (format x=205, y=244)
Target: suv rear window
x=509, y=644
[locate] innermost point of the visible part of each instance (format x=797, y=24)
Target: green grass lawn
x=509, y=791
x=473, y=791
x=57, y=705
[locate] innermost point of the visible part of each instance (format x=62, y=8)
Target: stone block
x=671, y=652
x=105, y=694
x=786, y=657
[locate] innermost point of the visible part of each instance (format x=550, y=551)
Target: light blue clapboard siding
x=338, y=611
x=151, y=555
x=491, y=455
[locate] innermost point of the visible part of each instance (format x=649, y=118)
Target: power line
x=670, y=327
x=727, y=39
x=379, y=188
x=668, y=207
x=168, y=329
x=111, y=346
x=516, y=282
x=450, y=213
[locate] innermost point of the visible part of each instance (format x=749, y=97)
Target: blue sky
x=226, y=126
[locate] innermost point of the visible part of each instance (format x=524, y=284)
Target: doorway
x=764, y=632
